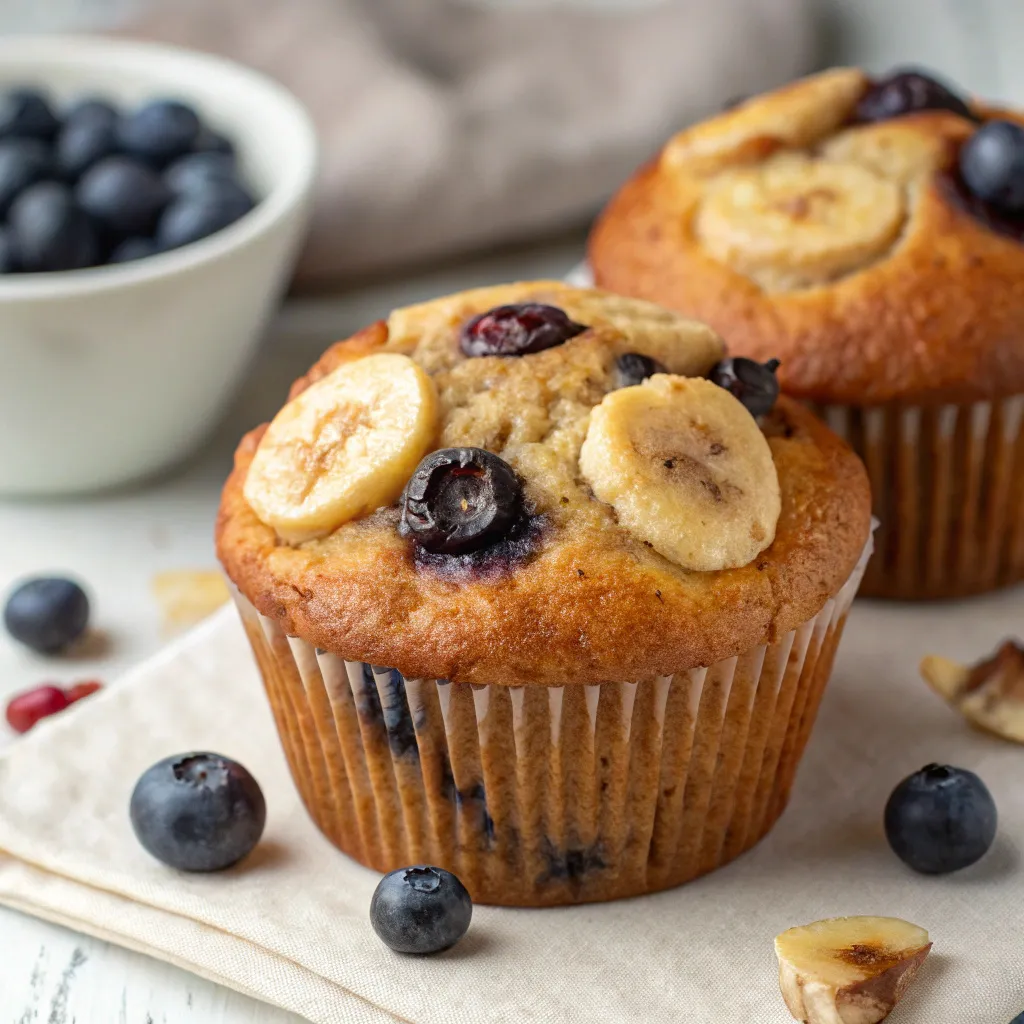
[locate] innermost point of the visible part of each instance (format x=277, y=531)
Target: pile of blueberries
x=92, y=184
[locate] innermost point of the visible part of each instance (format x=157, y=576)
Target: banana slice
x=345, y=446
x=989, y=694
x=687, y=470
x=795, y=221
x=795, y=116
x=849, y=970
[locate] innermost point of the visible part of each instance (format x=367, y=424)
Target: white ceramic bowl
x=112, y=373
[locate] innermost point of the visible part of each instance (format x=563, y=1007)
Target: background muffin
x=607, y=597
x=829, y=224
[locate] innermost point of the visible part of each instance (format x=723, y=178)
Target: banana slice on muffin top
x=490, y=416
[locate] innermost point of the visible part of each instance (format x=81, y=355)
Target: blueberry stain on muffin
x=395, y=711
x=473, y=803
x=518, y=330
x=572, y=864
x=908, y=91
x=754, y=384
x=633, y=368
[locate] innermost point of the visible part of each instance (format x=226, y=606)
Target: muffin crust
x=929, y=312
x=584, y=602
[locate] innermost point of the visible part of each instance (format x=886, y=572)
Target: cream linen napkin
x=289, y=926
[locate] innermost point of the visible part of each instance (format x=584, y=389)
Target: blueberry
x=192, y=217
x=420, y=910
x=940, y=819
x=992, y=164
x=753, y=383
x=23, y=162
x=47, y=613
x=134, y=248
x=198, y=812
x=83, y=143
x=198, y=171
x=632, y=368
x=50, y=232
x=460, y=500
x=906, y=91
x=123, y=195
x=518, y=330
x=159, y=132
x=26, y=113
x=92, y=110
x=8, y=256
x=210, y=141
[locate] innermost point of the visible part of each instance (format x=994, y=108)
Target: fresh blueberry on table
x=194, y=216
x=50, y=232
x=26, y=113
x=518, y=330
x=906, y=92
x=198, y=812
x=123, y=195
x=632, y=368
x=992, y=164
x=460, y=500
x=47, y=613
x=23, y=162
x=940, y=819
x=83, y=143
x=159, y=132
x=753, y=383
x=134, y=248
x=420, y=910
x=198, y=171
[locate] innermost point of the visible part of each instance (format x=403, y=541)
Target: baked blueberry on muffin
x=870, y=235
x=544, y=589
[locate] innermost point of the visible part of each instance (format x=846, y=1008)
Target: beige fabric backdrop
x=446, y=127
x=290, y=925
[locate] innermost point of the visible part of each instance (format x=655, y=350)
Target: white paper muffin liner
x=948, y=487
x=536, y=795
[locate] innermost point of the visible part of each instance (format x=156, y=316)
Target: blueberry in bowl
x=133, y=347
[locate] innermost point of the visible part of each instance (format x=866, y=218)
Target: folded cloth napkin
x=447, y=127
x=290, y=926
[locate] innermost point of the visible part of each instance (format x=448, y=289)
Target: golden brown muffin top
x=845, y=249
x=582, y=589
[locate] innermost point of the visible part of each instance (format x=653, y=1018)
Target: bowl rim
x=277, y=204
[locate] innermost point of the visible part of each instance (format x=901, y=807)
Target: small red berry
x=25, y=709
x=80, y=690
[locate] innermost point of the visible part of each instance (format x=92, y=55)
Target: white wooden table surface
x=115, y=543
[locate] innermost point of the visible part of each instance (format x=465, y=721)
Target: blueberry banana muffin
x=544, y=589
x=870, y=235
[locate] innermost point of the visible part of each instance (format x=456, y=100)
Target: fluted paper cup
x=948, y=487
x=539, y=796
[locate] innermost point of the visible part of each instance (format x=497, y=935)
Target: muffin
x=869, y=235
x=535, y=600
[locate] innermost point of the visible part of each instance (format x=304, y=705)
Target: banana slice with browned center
x=796, y=221
x=344, y=447
x=849, y=970
x=687, y=470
